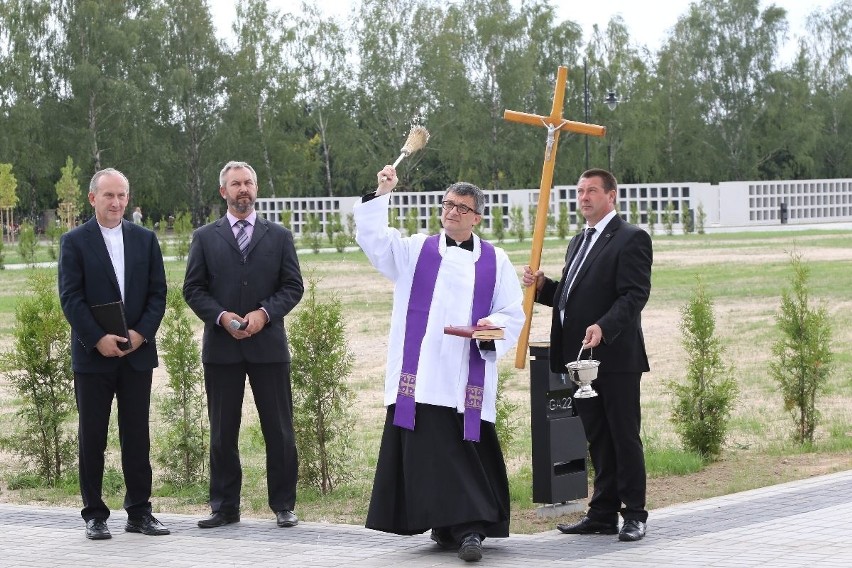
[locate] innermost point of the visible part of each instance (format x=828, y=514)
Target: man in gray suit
x=242, y=278
x=107, y=260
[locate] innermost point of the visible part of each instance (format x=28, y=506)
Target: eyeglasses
x=462, y=208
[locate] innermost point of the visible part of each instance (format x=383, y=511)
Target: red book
x=483, y=332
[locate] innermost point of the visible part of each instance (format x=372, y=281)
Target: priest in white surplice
x=440, y=466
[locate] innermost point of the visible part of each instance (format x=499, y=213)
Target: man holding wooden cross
x=597, y=304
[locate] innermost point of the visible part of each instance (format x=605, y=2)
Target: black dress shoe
x=146, y=524
x=471, y=548
x=219, y=519
x=589, y=526
x=444, y=539
x=632, y=531
x=286, y=518
x=96, y=529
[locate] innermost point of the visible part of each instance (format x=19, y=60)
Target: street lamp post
x=586, y=106
x=611, y=101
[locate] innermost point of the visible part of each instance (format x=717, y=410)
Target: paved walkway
x=799, y=524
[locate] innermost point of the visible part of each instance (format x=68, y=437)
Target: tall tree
x=259, y=119
x=828, y=45
x=193, y=84
x=620, y=69
x=324, y=75
x=714, y=67
x=389, y=92
x=29, y=36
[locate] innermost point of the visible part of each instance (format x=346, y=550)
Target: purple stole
x=423, y=289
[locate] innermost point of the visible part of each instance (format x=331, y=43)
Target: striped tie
x=242, y=236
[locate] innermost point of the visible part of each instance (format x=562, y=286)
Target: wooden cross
x=554, y=124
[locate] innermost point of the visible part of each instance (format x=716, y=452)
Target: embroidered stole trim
x=483, y=292
x=419, y=302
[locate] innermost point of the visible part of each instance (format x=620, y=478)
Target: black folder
x=111, y=318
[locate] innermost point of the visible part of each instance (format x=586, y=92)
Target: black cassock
x=431, y=478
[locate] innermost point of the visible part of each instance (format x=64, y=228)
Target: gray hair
x=465, y=188
x=232, y=165
x=93, y=185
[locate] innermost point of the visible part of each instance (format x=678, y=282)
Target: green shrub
x=668, y=218
x=633, y=215
x=393, y=218
x=703, y=404
x=434, y=223
x=183, y=235
x=27, y=243
x=333, y=227
x=321, y=396
x=686, y=220
x=652, y=220
x=312, y=233
x=182, y=451
x=700, y=219
x=498, y=228
x=516, y=222
x=506, y=424
x=38, y=368
x=563, y=224
x=803, y=357
x=412, y=223
x=53, y=233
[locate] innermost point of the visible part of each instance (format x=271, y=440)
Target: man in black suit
x=597, y=304
x=105, y=260
x=242, y=278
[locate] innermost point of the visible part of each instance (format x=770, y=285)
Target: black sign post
x=558, y=439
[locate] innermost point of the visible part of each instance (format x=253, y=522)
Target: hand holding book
x=481, y=332
x=111, y=318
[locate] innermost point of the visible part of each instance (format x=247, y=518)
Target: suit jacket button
x=245, y=282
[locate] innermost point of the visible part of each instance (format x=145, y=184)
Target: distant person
x=440, y=465
x=108, y=260
x=598, y=304
x=242, y=278
x=137, y=215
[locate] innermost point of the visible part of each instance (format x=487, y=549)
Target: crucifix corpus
x=554, y=123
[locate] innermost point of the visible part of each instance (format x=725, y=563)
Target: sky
x=647, y=21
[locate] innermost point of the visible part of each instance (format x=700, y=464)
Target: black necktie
x=575, y=266
x=242, y=236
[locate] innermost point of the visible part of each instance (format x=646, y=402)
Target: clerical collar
x=466, y=245
x=110, y=230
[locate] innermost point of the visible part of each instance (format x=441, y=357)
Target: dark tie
x=242, y=236
x=575, y=266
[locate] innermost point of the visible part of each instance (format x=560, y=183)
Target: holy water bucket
x=582, y=372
